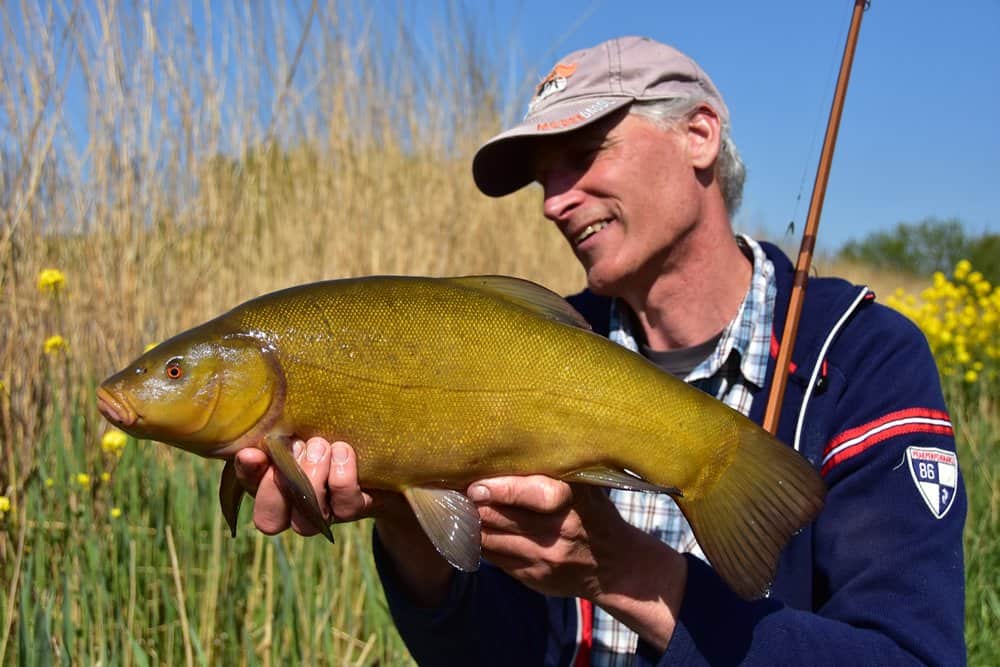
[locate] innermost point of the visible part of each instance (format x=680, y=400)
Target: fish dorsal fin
x=528, y=295
x=617, y=479
x=451, y=521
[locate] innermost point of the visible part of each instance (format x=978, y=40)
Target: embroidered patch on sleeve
x=935, y=473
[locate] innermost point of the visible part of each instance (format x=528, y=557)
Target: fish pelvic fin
x=299, y=488
x=767, y=494
x=230, y=495
x=530, y=296
x=618, y=479
x=451, y=521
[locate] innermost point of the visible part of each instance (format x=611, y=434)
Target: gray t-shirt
x=681, y=362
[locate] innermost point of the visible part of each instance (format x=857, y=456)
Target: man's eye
x=585, y=156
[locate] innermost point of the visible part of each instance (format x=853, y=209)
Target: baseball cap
x=583, y=87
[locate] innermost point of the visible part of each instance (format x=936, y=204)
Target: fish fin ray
x=617, y=479
x=230, y=495
x=451, y=521
x=528, y=295
x=767, y=494
x=302, y=495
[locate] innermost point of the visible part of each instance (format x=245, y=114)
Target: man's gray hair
x=728, y=166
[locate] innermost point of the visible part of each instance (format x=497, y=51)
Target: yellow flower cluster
x=54, y=344
x=961, y=319
x=113, y=442
x=4, y=505
x=51, y=280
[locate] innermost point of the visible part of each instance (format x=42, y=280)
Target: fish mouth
x=115, y=409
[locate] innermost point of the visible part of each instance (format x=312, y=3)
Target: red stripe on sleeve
x=586, y=620
x=892, y=416
x=854, y=441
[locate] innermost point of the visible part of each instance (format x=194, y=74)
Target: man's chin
x=602, y=284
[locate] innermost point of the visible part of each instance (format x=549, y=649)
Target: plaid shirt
x=732, y=373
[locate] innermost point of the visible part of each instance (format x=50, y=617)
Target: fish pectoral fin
x=301, y=493
x=230, y=495
x=451, y=521
x=619, y=479
x=528, y=295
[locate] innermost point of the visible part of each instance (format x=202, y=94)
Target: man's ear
x=704, y=134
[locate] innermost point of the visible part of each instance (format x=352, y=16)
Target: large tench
x=437, y=382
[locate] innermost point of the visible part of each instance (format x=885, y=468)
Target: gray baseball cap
x=583, y=87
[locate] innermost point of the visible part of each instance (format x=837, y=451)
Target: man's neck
x=697, y=295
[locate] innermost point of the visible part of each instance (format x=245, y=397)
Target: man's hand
x=333, y=471
x=555, y=538
x=569, y=540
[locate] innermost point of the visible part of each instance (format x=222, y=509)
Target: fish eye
x=140, y=370
x=173, y=369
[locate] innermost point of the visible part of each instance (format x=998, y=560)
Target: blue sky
x=920, y=135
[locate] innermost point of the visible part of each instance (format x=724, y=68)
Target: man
x=631, y=144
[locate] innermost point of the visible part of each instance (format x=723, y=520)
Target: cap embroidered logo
x=553, y=83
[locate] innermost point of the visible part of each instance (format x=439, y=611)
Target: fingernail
x=315, y=451
x=297, y=446
x=479, y=493
x=340, y=453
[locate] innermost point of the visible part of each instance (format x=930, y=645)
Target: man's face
x=624, y=193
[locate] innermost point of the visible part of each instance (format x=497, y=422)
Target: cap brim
x=503, y=164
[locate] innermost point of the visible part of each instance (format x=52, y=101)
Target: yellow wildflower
x=961, y=320
x=83, y=479
x=105, y=477
x=49, y=482
x=51, y=280
x=54, y=344
x=4, y=504
x=113, y=442
x=116, y=512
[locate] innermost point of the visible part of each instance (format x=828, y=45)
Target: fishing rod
x=780, y=382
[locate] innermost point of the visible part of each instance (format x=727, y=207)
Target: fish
x=438, y=382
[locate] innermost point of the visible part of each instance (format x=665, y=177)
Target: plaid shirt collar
x=748, y=336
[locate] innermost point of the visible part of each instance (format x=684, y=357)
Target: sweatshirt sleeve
x=486, y=619
x=887, y=571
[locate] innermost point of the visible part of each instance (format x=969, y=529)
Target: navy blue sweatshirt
x=876, y=579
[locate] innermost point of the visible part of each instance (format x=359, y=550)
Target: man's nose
x=560, y=194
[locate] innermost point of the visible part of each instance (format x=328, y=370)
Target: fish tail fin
x=767, y=494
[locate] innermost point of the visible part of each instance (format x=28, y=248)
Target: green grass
x=977, y=421
x=163, y=583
